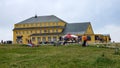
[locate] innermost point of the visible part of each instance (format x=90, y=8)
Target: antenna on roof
x=35, y=15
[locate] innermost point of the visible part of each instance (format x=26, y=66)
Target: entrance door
x=19, y=39
x=39, y=40
x=44, y=39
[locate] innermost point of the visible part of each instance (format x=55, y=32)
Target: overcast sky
x=104, y=15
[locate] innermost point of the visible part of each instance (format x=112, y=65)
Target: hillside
x=72, y=56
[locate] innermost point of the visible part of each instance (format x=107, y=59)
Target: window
x=53, y=24
x=33, y=38
x=48, y=30
x=16, y=32
x=54, y=38
x=49, y=24
x=49, y=39
x=40, y=24
x=35, y=31
x=57, y=24
x=31, y=25
x=23, y=32
x=27, y=32
x=40, y=31
x=44, y=39
x=46, y=24
x=19, y=32
x=60, y=38
x=96, y=37
x=31, y=31
x=45, y=31
x=19, y=25
x=53, y=30
x=23, y=25
x=27, y=25
x=88, y=38
x=39, y=39
x=36, y=25
x=56, y=30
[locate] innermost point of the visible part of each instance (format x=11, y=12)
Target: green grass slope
x=72, y=56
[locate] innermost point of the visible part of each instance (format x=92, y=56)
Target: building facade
x=40, y=29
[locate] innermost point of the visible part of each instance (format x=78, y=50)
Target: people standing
x=84, y=40
x=1, y=41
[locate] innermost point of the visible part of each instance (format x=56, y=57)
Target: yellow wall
x=89, y=30
x=104, y=37
x=43, y=24
x=45, y=36
x=39, y=28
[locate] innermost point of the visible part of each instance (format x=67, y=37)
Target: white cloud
x=6, y=34
x=98, y=12
x=113, y=30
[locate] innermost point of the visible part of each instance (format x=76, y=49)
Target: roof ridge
x=60, y=19
x=44, y=15
x=80, y=23
x=47, y=18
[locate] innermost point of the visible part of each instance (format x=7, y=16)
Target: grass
x=72, y=56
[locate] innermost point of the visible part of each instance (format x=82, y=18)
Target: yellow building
x=49, y=28
x=102, y=38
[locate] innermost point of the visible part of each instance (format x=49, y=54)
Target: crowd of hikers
x=64, y=41
x=60, y=41
x=6, y=42
x=82, y=40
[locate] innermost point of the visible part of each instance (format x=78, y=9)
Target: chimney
x=36, y=16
